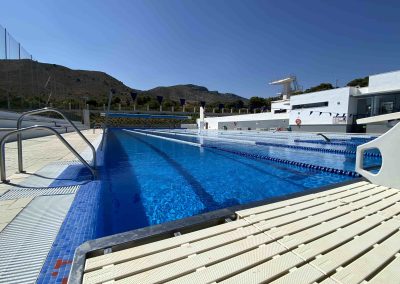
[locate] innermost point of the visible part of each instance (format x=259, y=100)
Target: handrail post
x=112, y=92
x=19, y=148
x=3, y=162
x=46, y=109
x=42, y=127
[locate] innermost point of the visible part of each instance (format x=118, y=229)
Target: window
x=313, y=105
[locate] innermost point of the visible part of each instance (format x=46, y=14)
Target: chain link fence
x=10, y=48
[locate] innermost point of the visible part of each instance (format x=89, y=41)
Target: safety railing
x=43, y=110
x=37, y=127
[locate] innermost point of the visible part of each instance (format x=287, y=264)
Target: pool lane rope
x=351, y=144
x=288, y=162
x=306, y=148
x=257, y=156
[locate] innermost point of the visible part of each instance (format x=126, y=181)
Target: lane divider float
x=306, y=148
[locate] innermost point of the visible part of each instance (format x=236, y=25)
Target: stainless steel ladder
x=43, y=110
x=19, y=130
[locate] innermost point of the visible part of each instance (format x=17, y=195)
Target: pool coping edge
x=166, y=230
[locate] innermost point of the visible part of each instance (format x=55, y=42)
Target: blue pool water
x=332, y=160
x=148, y=181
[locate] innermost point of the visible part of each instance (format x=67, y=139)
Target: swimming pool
x=148, y=180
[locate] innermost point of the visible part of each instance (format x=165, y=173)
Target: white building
x=333, y=110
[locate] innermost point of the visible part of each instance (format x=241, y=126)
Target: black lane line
x=206, y=198
x=122, y=207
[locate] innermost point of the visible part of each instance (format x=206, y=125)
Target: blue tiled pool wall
x=340, y=162
x=83, y=222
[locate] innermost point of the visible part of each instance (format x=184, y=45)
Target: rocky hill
x=35, y=81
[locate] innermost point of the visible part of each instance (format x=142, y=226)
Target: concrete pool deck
x=31, y=210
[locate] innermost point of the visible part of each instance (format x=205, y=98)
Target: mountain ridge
x=36, y=81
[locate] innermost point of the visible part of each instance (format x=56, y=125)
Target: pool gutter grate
x=22, y=192
x=33, y=230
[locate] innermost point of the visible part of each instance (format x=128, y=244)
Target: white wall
x=338, y=102
x=384, y=82
x=283, y=104
x=213, y=121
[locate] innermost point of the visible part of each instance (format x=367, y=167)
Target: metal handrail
x=41, y=127
x=112, y=92
x=46, y=109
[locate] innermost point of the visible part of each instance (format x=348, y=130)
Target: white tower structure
x=289, y=85
x=201, y=120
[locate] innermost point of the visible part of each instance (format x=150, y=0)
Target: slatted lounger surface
x=348, y=234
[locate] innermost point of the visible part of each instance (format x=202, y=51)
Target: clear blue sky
x=229, y=46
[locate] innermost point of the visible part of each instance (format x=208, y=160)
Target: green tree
x=142, y=100
x=256, y=102
x=320, y=87
x=362, y=82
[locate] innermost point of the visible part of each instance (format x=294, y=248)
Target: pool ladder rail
x=19, y=130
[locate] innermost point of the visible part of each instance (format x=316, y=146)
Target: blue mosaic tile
x=79, y=226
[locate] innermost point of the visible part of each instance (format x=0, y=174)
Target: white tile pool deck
x=30, y=213
x=348, y=234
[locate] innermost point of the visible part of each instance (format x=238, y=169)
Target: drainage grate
x=25, y=242
x=21, y=192
x=67, y=163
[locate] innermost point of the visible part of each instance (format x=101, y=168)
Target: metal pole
x=3, y=165
x=5, y=42
x=19, y=51
x=112, y=92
